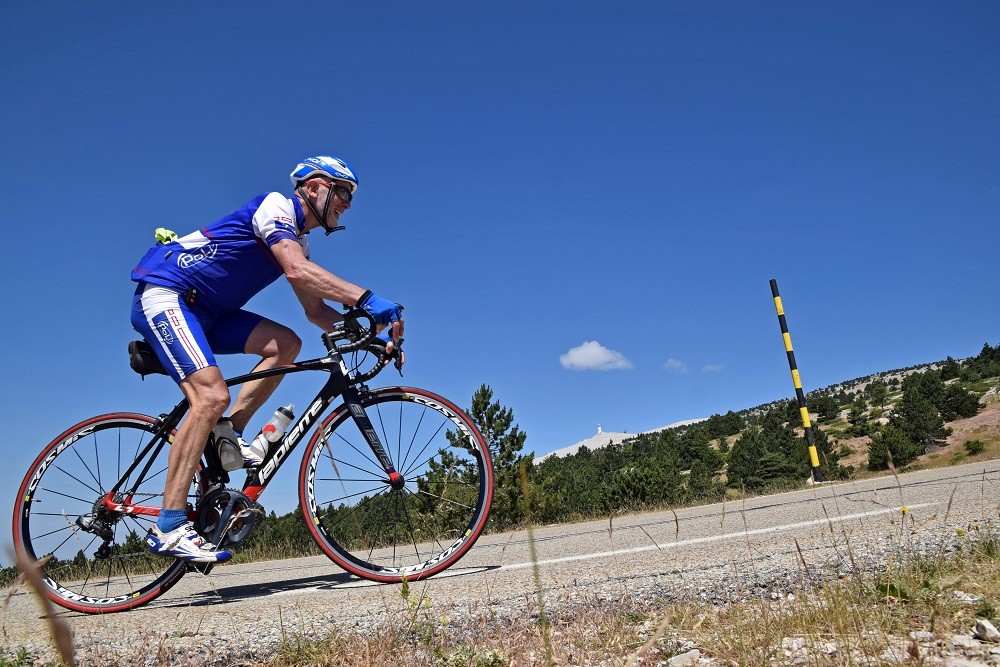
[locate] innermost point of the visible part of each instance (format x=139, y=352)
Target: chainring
x=227, y=516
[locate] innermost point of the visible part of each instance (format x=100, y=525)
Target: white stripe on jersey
x=277, y=214
x=193, y=240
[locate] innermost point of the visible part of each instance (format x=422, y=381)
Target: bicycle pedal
x=204, y=568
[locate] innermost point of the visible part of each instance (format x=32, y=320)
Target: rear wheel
x=95, y=558
x=413, y=527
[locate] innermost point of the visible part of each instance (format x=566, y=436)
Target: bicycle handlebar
x=362, y=338
x=352, y=330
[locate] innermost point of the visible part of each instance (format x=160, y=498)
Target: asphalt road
x=256, y=605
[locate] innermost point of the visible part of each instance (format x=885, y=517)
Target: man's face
x=337, y=193
x=339, y=197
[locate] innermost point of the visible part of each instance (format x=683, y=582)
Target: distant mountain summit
x=604, y=438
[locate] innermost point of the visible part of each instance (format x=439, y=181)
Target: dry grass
x=902, y=611
x=845, y=621
x=62, y=637
x=829, y=621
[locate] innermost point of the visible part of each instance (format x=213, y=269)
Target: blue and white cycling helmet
x=324, y=165
x=331, y=167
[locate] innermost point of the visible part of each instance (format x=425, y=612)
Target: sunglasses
x=341, y=191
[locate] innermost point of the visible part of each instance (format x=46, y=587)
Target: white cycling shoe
x=185, y=543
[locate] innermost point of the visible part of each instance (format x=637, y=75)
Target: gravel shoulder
x=713, y=553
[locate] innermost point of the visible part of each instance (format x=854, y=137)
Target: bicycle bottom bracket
x=227, y=517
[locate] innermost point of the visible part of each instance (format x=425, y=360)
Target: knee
x=288, y=345
x=274, y=342
x=211, y=401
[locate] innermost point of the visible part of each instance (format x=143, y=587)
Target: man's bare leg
x=277, y=345
x=208, y=396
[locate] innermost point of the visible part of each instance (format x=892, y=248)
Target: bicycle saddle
x=143, y=359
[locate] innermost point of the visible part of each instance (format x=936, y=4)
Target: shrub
x=973, y=447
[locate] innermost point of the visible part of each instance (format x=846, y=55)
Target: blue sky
x=578, y=203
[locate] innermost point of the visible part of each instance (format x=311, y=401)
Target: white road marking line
x=458, y=571
x=714, y=538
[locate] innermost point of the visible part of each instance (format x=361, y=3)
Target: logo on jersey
x=165, y=333
x=192, y=257
x=285, y=227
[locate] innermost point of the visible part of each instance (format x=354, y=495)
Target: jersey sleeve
x=275, y=220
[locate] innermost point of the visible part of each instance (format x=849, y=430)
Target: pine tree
x=878, y=393
x=505, y=441
x=958, y=403
x=891, y=444
x=918, y=418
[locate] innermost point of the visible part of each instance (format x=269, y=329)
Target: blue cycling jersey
x=229, y=261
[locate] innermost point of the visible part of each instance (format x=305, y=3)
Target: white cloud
x=592, y=356
x=675, y=365
x=713, y=368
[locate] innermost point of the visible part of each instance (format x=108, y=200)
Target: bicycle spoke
x=86, y=467
x=362, y=493
x=366, y=455
x=446, y=500
x=97, y=462
x=86, y=485
x=423, y=449
x=60, y=529
x=64, y=495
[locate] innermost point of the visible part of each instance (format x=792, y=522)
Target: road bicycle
x=395, y=483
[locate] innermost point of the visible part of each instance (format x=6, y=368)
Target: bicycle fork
x=352, y=399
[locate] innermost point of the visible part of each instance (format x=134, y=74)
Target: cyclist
x=188, y=305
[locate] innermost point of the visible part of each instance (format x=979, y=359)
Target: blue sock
x=171, y=520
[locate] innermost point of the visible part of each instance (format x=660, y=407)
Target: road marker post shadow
x=817, y=473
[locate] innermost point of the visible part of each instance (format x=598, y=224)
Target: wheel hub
x=396, y=481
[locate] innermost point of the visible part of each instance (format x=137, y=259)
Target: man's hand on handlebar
x=383, y=311
x=387, y=314
x=394, y=344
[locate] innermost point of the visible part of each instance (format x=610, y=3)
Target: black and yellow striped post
x=797, y=381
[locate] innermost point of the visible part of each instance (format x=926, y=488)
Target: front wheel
x=388, y=532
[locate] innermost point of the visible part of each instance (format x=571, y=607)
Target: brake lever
x=397, y=352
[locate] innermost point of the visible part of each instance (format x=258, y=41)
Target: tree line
x=751, y=451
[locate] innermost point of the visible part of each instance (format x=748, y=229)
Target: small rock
x=685, y=659
x=793, y=643
x=962, y=641
x=962, y=596
x=922, y=635
x=986, y=631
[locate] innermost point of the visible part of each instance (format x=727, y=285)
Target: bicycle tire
x=66, y=481
x=383, y=534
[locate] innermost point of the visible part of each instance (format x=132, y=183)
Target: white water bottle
x=273, y=430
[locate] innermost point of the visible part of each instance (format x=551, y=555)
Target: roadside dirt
x=985, y=427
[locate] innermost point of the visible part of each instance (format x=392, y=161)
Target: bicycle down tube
x=338, y=386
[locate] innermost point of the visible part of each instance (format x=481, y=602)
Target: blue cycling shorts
x=184, y=338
